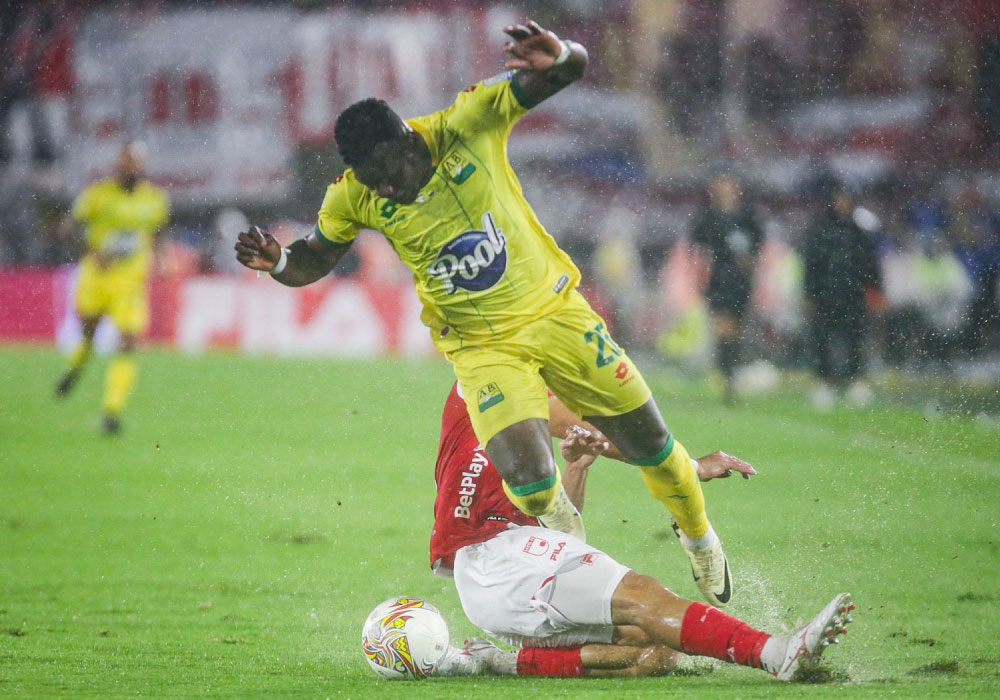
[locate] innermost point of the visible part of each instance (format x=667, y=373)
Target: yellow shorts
x=570, y=351
x=120, y=296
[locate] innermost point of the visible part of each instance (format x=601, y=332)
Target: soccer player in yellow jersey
x=121, y=218
x=498, y=294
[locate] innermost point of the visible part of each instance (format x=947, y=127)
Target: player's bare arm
x=562, y=420
x=308, y=259
x=580, y=448
x=545, y=63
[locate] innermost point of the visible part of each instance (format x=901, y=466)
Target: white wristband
x=563, y=54
x=282, y=262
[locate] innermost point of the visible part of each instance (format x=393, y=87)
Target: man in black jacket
x=728, y=234
x=841, y=277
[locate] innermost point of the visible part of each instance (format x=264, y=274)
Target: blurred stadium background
x=900, y=101
x=230, y=543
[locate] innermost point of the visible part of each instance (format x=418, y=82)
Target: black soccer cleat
x=66, y=384
x=111, y=425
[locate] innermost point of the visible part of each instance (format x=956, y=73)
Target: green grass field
x=233, y=540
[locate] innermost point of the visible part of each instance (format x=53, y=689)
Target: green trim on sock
x=529, y=489
x=659, y=458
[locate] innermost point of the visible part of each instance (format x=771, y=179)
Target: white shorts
x=530, y=586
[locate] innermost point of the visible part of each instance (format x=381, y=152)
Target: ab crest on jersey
x=474, y=261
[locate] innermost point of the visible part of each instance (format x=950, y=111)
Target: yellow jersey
x=482, y=263
x=121, y=224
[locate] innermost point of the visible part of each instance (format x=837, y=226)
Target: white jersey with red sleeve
x=471, y=505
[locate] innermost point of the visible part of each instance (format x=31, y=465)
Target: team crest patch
x=458, y=169
x=489, y=396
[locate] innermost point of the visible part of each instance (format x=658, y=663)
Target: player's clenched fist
x=257, y=250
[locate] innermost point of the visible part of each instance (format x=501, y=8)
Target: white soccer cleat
x=564, y=517
x=475, y=658
x=710, y=569
x=808, y=641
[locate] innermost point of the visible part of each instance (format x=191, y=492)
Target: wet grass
x=234, y=538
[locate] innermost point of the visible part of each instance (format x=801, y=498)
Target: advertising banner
x=339, y=317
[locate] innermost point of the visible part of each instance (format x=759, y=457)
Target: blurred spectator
x=767, y=82
x=24, y=30
x=20, y=242
x=842, y=277
x=976, y=232
x=727, y=233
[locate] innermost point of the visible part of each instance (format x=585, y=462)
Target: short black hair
x=363, y=126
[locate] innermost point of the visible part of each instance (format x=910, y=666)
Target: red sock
x=709, y=632
x=557, y=663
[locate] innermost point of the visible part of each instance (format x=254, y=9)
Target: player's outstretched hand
x=581, y=447
x=719, y=465
x=257, y=250
x=531, y=47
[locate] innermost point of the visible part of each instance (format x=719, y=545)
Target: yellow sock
x=80, y=355
x=118, y=383
x=671, y=477
x=537, y=498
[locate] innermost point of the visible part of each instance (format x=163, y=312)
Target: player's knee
x=641, y=601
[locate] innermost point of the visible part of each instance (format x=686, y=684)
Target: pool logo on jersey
x=474, y=261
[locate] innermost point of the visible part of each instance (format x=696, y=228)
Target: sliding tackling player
x=498, y=294
x=572, y=609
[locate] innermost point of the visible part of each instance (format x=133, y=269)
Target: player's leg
x=92, y=303
x=482, y=657
x=594, y=377
x=509, y=409
x=667, y=469
x=823, y=359
x=697, y=629
x=614, y=661
x=130, y=312
x=670, y=476
x=522, y=453
x=728, y=332
x=79, y=357
x=118, y=383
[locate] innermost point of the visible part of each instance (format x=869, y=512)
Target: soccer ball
x=404, y=638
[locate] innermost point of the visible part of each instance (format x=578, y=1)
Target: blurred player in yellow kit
x=120, y=217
